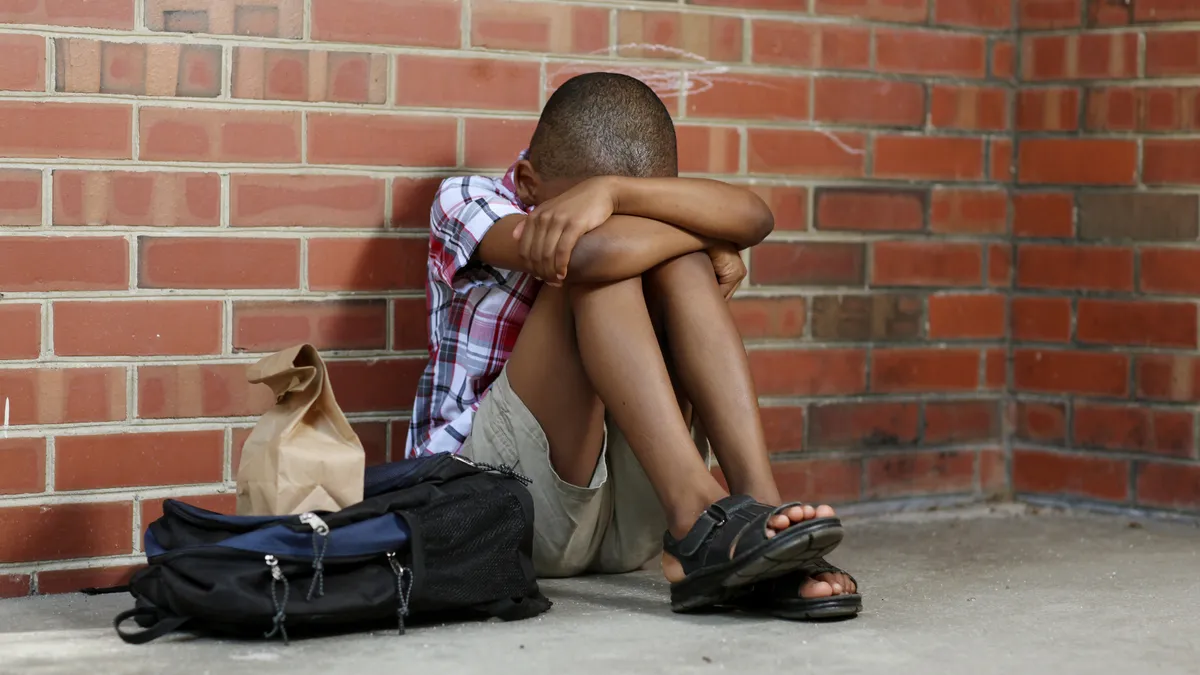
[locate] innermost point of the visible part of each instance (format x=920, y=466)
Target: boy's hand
x=549, y=234
x=729, y=268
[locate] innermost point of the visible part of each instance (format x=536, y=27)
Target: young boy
x=577, y=318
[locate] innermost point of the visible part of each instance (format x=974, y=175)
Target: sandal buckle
x=718, y=514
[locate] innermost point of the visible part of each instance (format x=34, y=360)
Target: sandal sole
x=783, y=553
x=845, y=606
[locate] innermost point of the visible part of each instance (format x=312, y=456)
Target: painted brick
x=421, y=23
x=539, y=27
x=807, y=153
x=1067, y=372
x=47, y=395
x=1109, y=427
x=137, y=198
x=386, y=140
x=1043, y=214
x=274, y=200
x=810, y=263
x=430, y=81
x=885, y=103
x=979, y=316
x=259, y=136
x=366, y=264
x=1039, y=319
x=40, y=264
x=870, y=209
x=920, y=263
x=920, y=473
x=769, y=318
x=199, y=390
x=218, y=262
x=22, y=334
x=916, y=52
x=297, y=75
x=24, y=461
x=969, y=211
x=707, y=36
x=53, y=532
x=1096, y=268
x=137, y=328
x=924, y=370
x=823, y=372
x=66, y=130
x=863, y=425
x=24, y=59
x=860, y=318
x=268, y=326
x=20, y=198
x=128, y=460
x=1141, y=216
x=929, y=158
x=824, y=46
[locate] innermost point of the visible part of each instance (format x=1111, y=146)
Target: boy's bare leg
x=709, y=359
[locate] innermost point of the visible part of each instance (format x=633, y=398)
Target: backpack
x=435, y=536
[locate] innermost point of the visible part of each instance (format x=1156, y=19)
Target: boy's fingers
x=566, y=245
x=519, y=229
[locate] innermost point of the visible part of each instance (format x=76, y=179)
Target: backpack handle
x=163, y=626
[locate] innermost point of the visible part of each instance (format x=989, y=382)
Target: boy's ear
x=529, y=184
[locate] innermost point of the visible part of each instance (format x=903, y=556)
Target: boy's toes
x=815, y=588
x=824, y=511
x=796, y=514
x=841, y=583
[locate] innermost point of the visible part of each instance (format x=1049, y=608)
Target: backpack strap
x=105, y=590
x=163, y=625
x=515, y=609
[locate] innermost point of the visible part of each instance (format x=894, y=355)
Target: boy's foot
x=817, y=590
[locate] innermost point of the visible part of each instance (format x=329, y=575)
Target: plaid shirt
x=475, y=311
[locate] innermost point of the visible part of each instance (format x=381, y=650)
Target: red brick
x=783, y=428
x=808, y=263
x=924, y=370
x=870, y=210
x=66, y=130
x=411, y=201
x=1172, y=54
x=137, y=198
x=705, y=36
x=411, y=324
x=864, y=101
x=22, y=334
x=86, y=66
x=1168, y=486
x=296, y=75
x=1086, y=56
x=1099, y=374
x=201, y=390
x=807, y=153
x=539, y=27
x=1141, y=322
x=789, y=204
x=969, y=211
x=966, y=316
x=1000, y=168
x=961, y=421
x=875, y=317
x=137, y=328
x=182, y=134
x=708, y=149
x=1004, y=57
x=41, y=264
x=1102, y=14
x=863, y=425
x=1170, y=270
x=973, y=108
x=824, y=46
x=973, y=13
x=910, y=11
x=130, y=460
x=1171, y=162
x=366, y=264
x=83, y=13
x=376, y=385
x=926, y=157
x=273, y=200
x=1044, y=214
x=494, y=143
x=999, y=265
x=668, y=87
x=1041, y=319
x=1115, y=109
x=823, y=372
x=24, y=59
x=1035, y=471
x=152, y=509
x=834, y=481
x=993, y=473
x=1155, y=11
x=1049, y=13
x=995, y=369
x=47, y=395
x=262, y=18
x=24, y=461
x=20, y=198
x=1097, y=268
x=1171, y=378
x=920, y=473
x=386, y=140
x=430, y=81
x=924, y=263
x=1041, y=422
x=373, y=436
x=1054, y=109
x=1078, y=161
x=769, y=318
x=218, y=263
x=423, y=23
x=918, y=52
x=1169, y=108
x=1110, y=427
x=268, y=326
x=766, y=97
x=52, y=582
x=775, y=5
x=62, y=531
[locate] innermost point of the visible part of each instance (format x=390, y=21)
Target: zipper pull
x=314, y=521
x=273, y=563
x=404, y=579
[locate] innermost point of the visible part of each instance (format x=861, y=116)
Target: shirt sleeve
x=464, y=210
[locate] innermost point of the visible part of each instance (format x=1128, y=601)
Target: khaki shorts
x=613, y=525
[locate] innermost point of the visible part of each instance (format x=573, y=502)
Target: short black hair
x=604, y=124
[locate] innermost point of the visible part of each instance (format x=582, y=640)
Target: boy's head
x=597, y=124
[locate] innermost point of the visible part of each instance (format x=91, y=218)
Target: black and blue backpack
x=436, y=537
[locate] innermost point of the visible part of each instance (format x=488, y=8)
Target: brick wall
x=187, y=184
x=1105, y=221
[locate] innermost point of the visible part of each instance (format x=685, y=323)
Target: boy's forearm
x=708, y=208
x=628, y=246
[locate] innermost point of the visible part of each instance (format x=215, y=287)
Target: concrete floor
x=979, y=591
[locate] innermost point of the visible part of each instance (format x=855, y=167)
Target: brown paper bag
x=302, y=455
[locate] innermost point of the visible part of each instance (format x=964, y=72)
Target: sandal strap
x=722, y=530
x=823, y=566
x=714, y=517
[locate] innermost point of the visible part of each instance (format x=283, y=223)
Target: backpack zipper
x=280, y=607
x=404, y=581
x=320, y=529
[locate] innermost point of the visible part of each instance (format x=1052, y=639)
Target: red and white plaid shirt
x=475, y=311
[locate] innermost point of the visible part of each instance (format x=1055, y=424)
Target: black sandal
x=728, y=549
x=780, y=597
